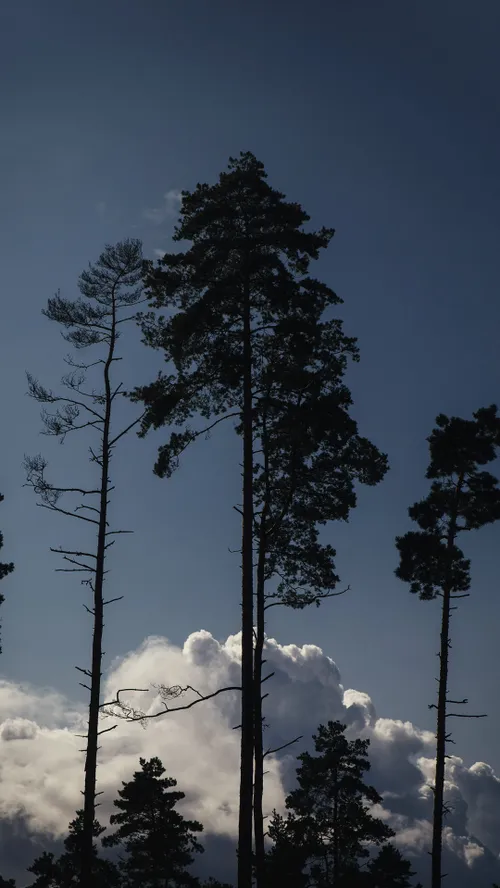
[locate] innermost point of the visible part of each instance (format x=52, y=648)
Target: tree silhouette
x=109, y=290
x=311, y=456
x=158, y=841
x=5, y=568
x=462, y=498
x=64, y=872
x=389, y=869
x=325, y=834
x=239, y=301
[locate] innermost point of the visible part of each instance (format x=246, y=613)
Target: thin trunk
x=247, y=701
x=336, y=845
x=437, y=821
x=438, y=813
x=95, y=681
x=258, y=791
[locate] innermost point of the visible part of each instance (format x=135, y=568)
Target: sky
x=382, y=119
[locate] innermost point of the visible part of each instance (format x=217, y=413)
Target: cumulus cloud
x=167, y=210
x=41, y=768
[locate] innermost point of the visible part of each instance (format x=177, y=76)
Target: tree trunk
x=438, y=813
x=437, y=821
x=336, y=844
x=258, y=726
x=247, y=695
x=98, y=611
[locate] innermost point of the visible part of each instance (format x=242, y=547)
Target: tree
x=238, y=300
x=462, y=498
x=64, y=872
x=109, y=289
x=7, y=883
x=159, y=842
x=389, y=869
x=5, y=568
x=329, y=823
x=311, y=457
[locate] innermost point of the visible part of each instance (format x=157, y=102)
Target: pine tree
x=239, y=300
x=329, y=823
x=159, y=843
x=311, y=456
x=389, y=869
x=64, y=872
x=462, y=498
x=110, y=289
x=5, y=568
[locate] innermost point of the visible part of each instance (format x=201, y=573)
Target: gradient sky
x=382, y=118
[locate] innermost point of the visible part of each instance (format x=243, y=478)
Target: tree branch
x=176, y=692
x=285, y=746
x=65, y=512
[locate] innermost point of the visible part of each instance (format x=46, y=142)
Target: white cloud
x=41, y=768
x=167, y=210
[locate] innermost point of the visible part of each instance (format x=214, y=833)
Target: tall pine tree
x=311, y=456
x=110, y=289
x=239, y=300
x=462, y=497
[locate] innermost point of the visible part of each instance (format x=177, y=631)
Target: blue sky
x=383, y=120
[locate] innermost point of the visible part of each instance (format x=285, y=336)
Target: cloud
x=41, y=768
x=101, y=208
x=169, y=209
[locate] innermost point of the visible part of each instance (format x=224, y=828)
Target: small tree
x=389, y=869
x=64, y=872
x=329, y=823
x=462, y=498
x=159, y=843
x=109, y=290
x=5, y=568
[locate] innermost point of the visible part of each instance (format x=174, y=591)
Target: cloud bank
x=41, y=768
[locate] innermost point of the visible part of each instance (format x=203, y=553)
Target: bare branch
x=464, y=715
x=80, y=564
x=70, y=552
x=125, y=430
x=106, y=730
x=117, y=701
x=65, y=512
x=177, y=691
x=285, y=746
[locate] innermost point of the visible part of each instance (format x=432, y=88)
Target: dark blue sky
x=382, y=118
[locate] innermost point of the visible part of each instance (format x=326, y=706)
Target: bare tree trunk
x=437, y=820
x=247, y=695
x=258, y=726
x=438, y=813
x=98, y=611
x=336, y=843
